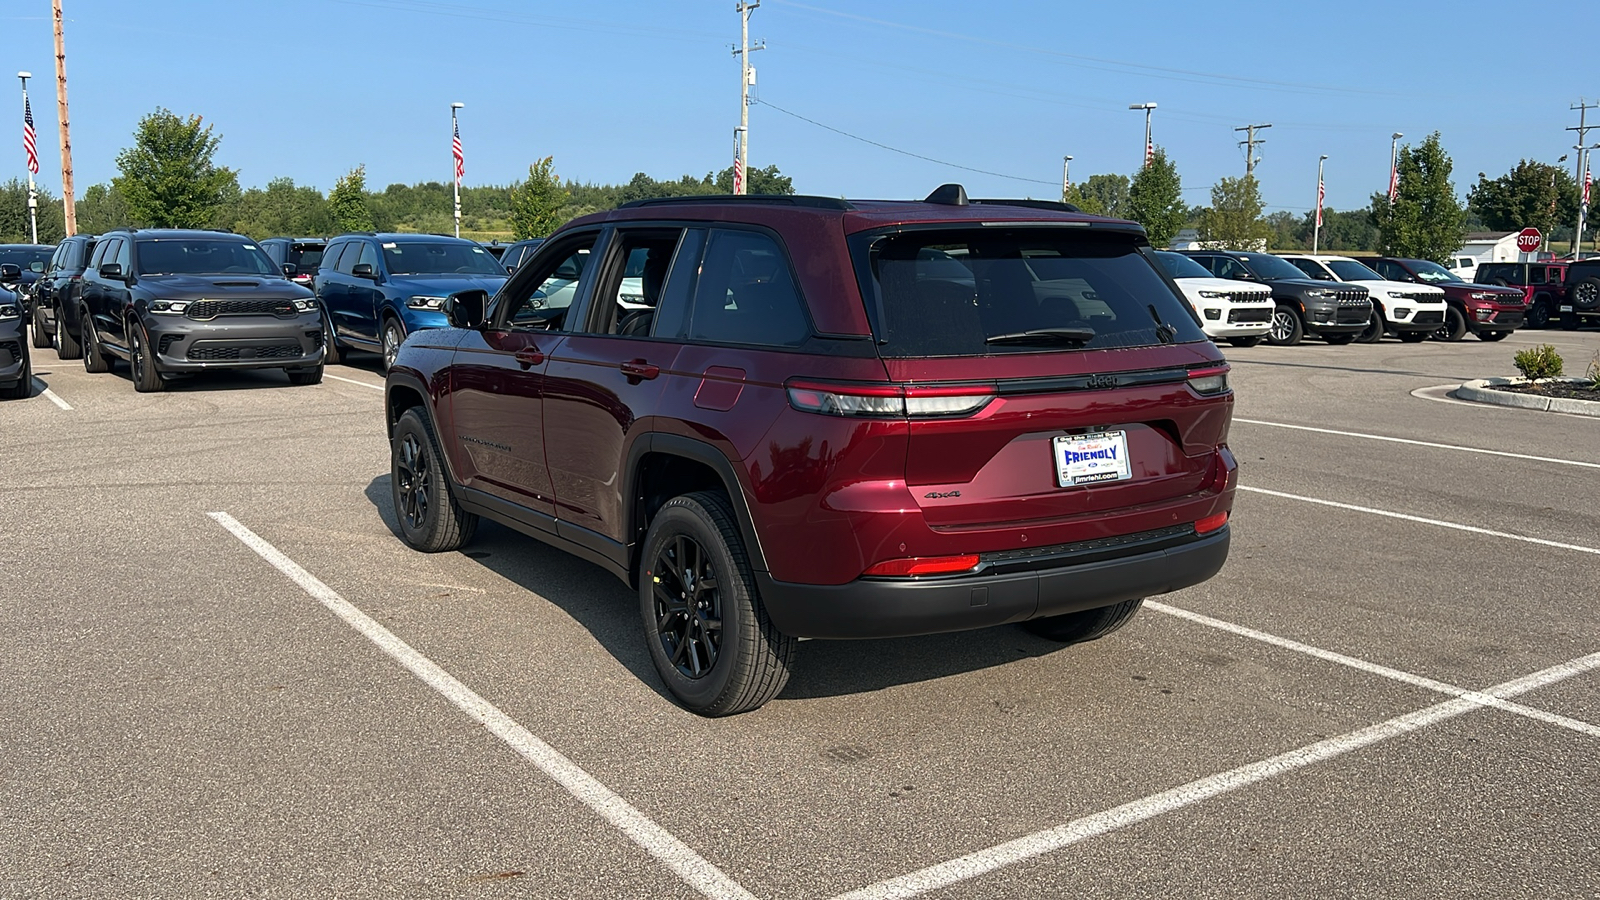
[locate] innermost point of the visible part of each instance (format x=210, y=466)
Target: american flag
x=29, y=139
x=1394, y=183
x=1588, y=181
x=1321, y=194
x=455, y=150
x=1149, y=152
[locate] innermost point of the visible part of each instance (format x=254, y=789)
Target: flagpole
x=33, y=193
x=1316, y=230
x=455, y=162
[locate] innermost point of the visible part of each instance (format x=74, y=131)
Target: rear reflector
x=1211, y=523
x=926, y=565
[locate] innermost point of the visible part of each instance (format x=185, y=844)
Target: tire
x=94, y=360
x=1454, y=327
x=23, y=389
x=430, y=518
x=330, y=344
x=67, y=346
x=1339, y=340
x=41, y=338
x=1539, y=313
x=141, y=367
x=303, y=377
x=1585, y=295
x=394, y=334
x=1246, y=341
x=1287, y=329
x=1088, y=625
x=741, y=662
x=1414, y=337
x=1492, y=336
x=1373, y=333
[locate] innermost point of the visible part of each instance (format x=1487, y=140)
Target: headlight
x=169, y=307
x=422, y=302
x=306, y=305
x=1319, y=295
x=1214, y=295
x=10, y=311
x=1396, y=295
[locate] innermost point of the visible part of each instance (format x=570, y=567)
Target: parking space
x=187, y=719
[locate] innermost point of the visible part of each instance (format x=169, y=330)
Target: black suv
x=515, y=254
x=1335, y=312
x=58, y=295
x=29, y=260
x=305, y=254
x=1582, y=303
x=16, y=370
x=174, y=302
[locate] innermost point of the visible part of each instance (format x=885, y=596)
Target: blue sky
x=309, y=88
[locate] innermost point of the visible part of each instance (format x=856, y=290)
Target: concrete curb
x=1483, y=390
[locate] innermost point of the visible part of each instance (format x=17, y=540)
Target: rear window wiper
x=1167, y=334
x=1044, y=336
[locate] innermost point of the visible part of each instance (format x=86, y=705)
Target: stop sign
x=1529, y=239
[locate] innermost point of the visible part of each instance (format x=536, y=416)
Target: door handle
x=528, y=357
x=638, y=368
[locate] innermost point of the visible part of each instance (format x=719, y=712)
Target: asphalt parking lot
x=225, y=676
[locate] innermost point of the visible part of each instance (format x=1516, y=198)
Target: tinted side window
x=672, y=317
x=100, y=253
x=1536, y=274
x=124, y=256
x=369, y=256
x=57, y=259
x=627, y=301
x=331, y=261
x=1229, y=268
x=540, y=298
x=351, y=255
x=746, y=293
x=1312, y=269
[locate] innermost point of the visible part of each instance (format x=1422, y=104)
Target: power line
x=857, y=137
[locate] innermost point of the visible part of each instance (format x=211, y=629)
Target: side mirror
x=36, y=267
x=290, y=270
x=111, y=270
x=363, y=270
x=10, y=272
x=511, y=270
x=464, y=309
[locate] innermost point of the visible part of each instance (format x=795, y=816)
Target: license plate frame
x=1099, y=457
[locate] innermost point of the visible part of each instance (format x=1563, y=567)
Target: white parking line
x=1041, y=842
x=1395, y=440
x=1425, y=521
x=694, y=869
x=376, y=387
x=1420, y=681
x=51, y=395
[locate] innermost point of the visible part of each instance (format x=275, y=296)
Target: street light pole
x=33, y=193
x=456, y=160
x=1316, y=229
x=1149, y=148
x=1394, y=166
x=1066, y=184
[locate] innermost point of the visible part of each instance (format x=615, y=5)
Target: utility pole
x=30, y=140
x=747, y=77
x=1249, y=144
x=1066, y=184
x=1582, y=129
x=1316, y=230
x=1149, y=146
x=69, y=205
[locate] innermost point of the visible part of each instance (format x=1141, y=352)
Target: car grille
x=10, y=353
x=1419, y=297
x=167, y=340
x=210, y=309
x=1250, y=315
x=211, y=352
x=1433, y=317
x=1250, y=297
x=1351, y=298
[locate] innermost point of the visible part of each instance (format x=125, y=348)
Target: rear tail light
x=1211, y=523
x=925, y=565
x=1209, y=381
x=880, y=401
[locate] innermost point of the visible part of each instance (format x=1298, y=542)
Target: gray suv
x=1335, y=312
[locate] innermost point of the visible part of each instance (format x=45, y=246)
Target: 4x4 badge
x=936, y=495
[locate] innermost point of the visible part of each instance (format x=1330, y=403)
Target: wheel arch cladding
x=664, y=466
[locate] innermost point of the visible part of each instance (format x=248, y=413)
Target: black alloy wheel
x=431, y=520
x=1539, y=314
x=142, y=369
x=41, y=337
x=688, y=606
x=94, y=360
x=1373, y=333
x=412, y=482
x=1454, y=327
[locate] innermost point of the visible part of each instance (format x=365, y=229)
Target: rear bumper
x=883, y=607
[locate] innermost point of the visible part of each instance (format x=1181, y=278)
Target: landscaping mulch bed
x=1567, y=390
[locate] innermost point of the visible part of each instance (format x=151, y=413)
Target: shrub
x=1593, y=375
x=1538, y=362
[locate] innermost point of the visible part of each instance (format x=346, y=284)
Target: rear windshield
x=442, y=258
x=202, y=257
x=305, y=256
x=1180, y=266
x=23, y=257
x=967, y=292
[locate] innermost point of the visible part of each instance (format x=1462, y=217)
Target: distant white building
x=1491, y=246
x=1189, y=239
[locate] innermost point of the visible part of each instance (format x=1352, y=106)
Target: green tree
x=14, y=225
x=283, y=208
x=1532, y=194
x=1102, y=195
x=101, y=209
x=762, y=181
x=536, y=203
x=1234, y=218
x=1349, y=229
x=1155, y=200
x=347, y=202
x=1426, y=221
x=169, y=177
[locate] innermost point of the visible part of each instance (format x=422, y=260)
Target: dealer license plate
x=1091, y=458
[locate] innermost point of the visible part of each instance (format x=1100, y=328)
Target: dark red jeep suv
x=814, y=417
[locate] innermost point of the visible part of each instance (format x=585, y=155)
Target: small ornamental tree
x=1234, y=218
x=347, y=202
x=536, y=203
x=1155, y=200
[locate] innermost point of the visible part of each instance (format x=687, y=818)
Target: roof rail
x=751, y=199
x=1056, y=205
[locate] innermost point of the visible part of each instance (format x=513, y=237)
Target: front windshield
x=1271, y=268
x=1433, y=273
x=439, y=258
x=1180, y=266
x=202, y=257
x=1350, y=270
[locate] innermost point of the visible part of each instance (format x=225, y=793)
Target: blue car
x=377, y=288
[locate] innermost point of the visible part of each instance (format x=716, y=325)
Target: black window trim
x=558, y=244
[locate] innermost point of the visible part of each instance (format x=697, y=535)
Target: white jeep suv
x=1411, y=312
x=1234, y=311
